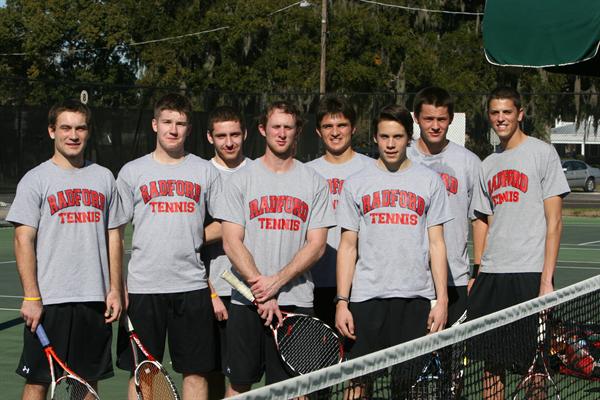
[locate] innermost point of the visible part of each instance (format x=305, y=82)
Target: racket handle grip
x=41, y=334
x=238, y=285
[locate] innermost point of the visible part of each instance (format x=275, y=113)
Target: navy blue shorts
x=186, y=318
x=511, y=346
x=381, y=323
x=79, y=336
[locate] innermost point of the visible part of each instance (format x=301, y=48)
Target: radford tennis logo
x=278, y=205
x=75, y=198
x=170, y=188
x=26, y=369
x=508, y=178
x=450, y=182
x=335, y=188
x=393, y=198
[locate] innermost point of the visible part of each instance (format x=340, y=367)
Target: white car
x=581, y=175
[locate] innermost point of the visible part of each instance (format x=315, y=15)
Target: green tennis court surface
x=579, y=259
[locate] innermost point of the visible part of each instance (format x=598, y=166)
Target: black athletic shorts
x=512, y=346
x=457, y=303
x=186, y=318
x=80, y=337
x=221, y=336
x=324, y=306
x=251, y=349
x=381, y=323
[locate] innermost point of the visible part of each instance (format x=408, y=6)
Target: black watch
x=473, y=271
x=340, y=298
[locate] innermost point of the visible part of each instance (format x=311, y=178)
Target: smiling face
x=70, y=135
x=172, y=128
x=280, y=133
x=336, y=132
x=392, y=141
x=504, y=117
x=227, y=138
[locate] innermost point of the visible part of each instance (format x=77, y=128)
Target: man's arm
x=553, y=213
x=439, y=271
x=346, y=265
x=266, y=287
x=218, y=306
x=212, y=233
x=480, y=230
x=242, y=260
x=31, y=310
x=114, y=297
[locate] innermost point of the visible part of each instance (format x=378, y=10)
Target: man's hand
x=31, y=311
x=114, y=306
x=219, y=309
x=344, y=322
x=268, y=310
x=470, y=285
x=264, y=287
x=545, y=288
x=438, y=316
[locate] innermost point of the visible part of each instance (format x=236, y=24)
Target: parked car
x=581, y=175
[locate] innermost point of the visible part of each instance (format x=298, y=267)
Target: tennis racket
x=69, y=386
x=304, y=343
x=537, y=383
x=152, y=382
x=433, y=382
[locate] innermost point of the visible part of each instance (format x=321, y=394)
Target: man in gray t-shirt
x=459, y=168
x=67, y=215
x=167, y=194
x=520, y=192
x=335, y=126
x=275, y=214
x=392, y=215
x=226, y=132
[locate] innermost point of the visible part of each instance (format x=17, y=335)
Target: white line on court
x=577, y=262
x=586, y=243
x=580, y=248
x=569, y=267
x=8, y=262
x=9, y=309
x=11, y=297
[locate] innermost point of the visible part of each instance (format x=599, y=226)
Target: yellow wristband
x=213, y=295
x=32, y=298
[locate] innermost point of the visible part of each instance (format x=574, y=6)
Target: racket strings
x=307, y=344
x=70, y=388
x=153, y=382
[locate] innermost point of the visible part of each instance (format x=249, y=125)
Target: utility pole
x=323, y=69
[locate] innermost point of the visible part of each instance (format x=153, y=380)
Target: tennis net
x=504, y=355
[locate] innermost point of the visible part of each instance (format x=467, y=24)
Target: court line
x=14, y=261
x=579, y=262
x=580, y=248
x=586, y=243
x=9, y=309
x=585, y=268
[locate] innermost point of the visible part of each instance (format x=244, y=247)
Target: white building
x=571, y=140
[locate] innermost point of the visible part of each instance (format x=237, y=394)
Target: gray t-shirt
x=391, y=212
x=213, y=255
x=72, y=209
x=277, y=210
x=168, y=205
x=513, y=185
x=459, y=169
x=324, y=270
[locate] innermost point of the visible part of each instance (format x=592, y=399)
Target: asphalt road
x=583, y=200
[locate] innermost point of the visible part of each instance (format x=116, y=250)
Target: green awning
x=561, y=35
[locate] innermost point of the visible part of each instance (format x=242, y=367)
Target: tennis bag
x=575, y=349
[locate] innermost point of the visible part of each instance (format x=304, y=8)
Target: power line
x=420, y=9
